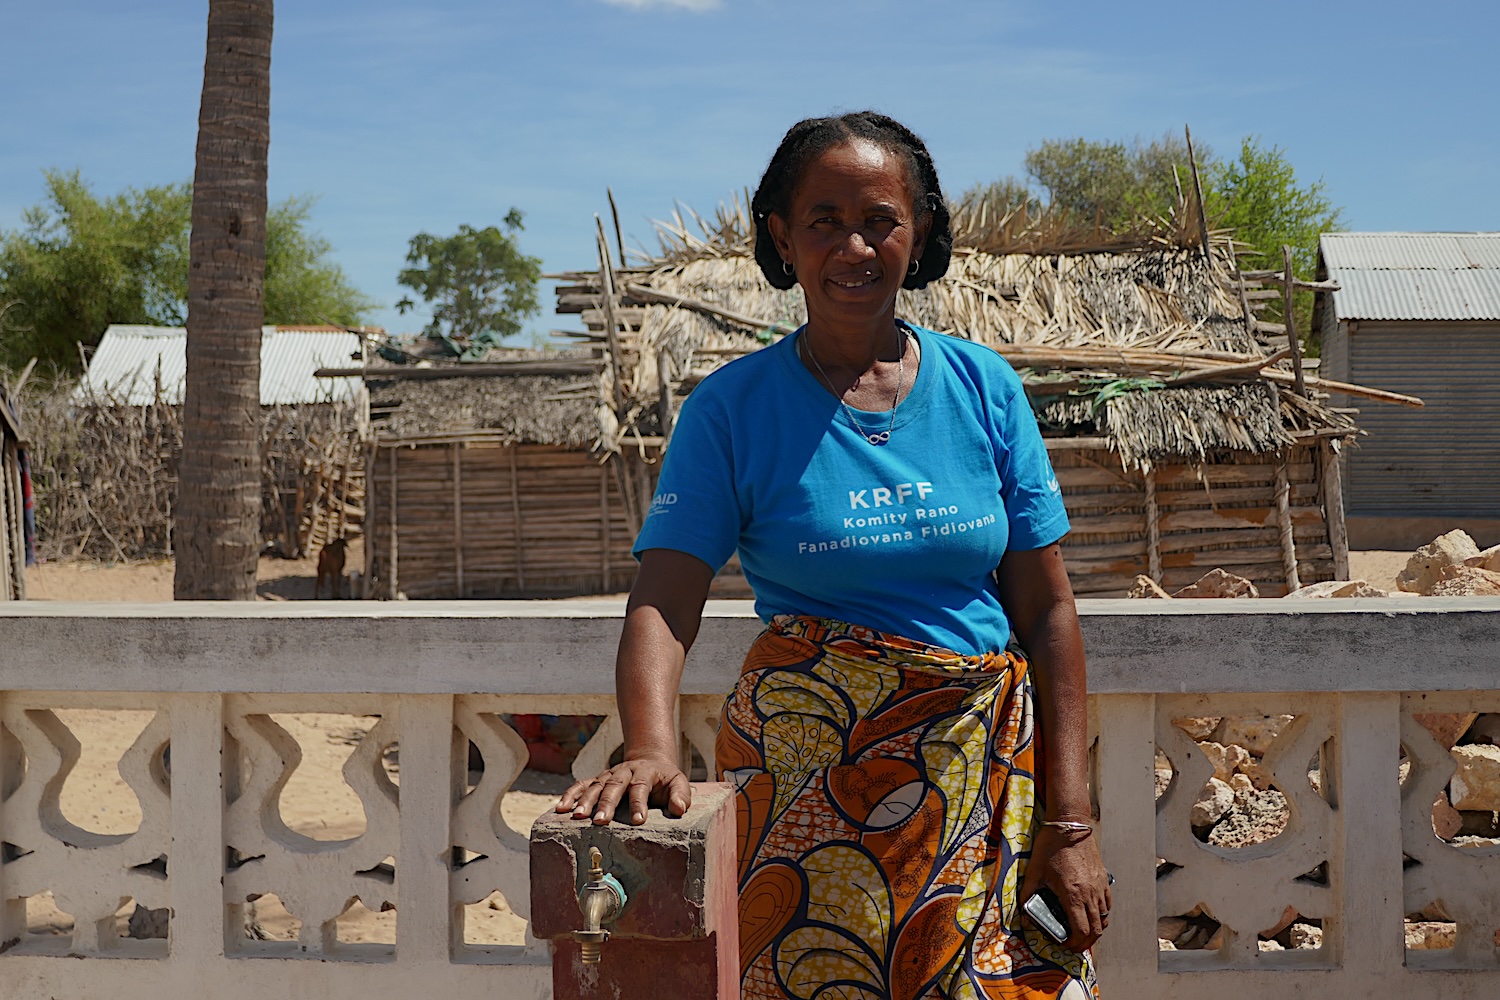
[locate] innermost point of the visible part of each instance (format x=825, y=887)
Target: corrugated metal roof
x=1416, y=276
x=132, y=360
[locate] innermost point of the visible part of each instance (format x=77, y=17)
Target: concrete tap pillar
x=678, y=936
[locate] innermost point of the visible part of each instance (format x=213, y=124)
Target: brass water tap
x=602, y=899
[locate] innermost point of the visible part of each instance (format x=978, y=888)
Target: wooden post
x=344, y=473
x=515, y=517
x=392, y=582
x=603, y=530
x=1299, y=384
x=625, y=477
x=608, y=294
x=1153, y=528
x=17, y=524
x=619, y=238
x=372, y=549
x=1284, y=521
x=1197, y=191
x=7, y=553
x=298, y=500
x=664, y=376
x=1331, y=480
x=458, y=519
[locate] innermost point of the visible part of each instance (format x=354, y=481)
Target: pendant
x=878, y=439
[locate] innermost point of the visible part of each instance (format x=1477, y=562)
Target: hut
x=1185, y=431
x=488, y=480
x=1419, y=312
x=121, y=425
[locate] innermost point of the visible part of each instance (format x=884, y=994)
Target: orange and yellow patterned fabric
x=885, y=815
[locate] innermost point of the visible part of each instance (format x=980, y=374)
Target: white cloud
x=693, y=5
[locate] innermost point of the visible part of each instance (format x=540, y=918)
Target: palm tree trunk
x=217, y=525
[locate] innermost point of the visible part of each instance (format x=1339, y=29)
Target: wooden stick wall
x=1227, y=514
x=479, y=519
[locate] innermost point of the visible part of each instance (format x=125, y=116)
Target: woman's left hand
x=1073, y=870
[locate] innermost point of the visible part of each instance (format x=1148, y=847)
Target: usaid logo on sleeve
x=661, y=503
x=1052, y=486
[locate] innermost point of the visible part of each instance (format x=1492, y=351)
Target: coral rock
x=1144, y=586
x=1446, y=822
x=1255, y=733
x=1215, y=801
x=1429, y=935
x=1425, y=568
x=1338, y=588
x=1217, y=583
x=1304, y=936
x=1446, y=727
x=1476, y=783
x=1466, y=581
x=1488, y=559
x=1254, y=819
x=1225, y=759
x=1287, y=917
x=1199, y=728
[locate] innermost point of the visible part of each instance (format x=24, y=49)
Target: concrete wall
x=1352, y=674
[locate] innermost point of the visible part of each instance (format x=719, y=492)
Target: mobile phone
x=1046, y=913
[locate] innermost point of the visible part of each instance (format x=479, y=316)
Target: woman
x=894, y=509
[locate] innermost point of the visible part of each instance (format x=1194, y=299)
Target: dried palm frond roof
x=528, y=409
x=1099, y=334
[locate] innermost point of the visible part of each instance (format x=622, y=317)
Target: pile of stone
x=1222, y=584
x=1214, y=583
x=1239, y=807
x=1452, y=565
x=1467, y=812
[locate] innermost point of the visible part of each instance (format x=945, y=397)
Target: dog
x=331, y=565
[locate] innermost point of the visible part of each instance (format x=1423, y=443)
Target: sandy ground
x=1378, y=567
x=277, y=580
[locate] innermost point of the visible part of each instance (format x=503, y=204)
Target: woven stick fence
x=105, y=474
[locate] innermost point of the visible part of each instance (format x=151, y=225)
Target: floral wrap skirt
x=885, y=809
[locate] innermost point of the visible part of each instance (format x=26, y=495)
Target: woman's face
x=850, y=232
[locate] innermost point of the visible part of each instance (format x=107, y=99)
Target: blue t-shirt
x=902, y=537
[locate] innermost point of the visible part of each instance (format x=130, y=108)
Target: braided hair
x=811, y=137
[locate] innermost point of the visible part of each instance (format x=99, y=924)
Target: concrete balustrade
x=1357, y=854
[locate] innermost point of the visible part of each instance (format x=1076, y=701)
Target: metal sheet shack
x=1418, y=313
x=121, y=430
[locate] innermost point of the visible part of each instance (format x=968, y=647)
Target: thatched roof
x=537, y=409
x=1160, y=297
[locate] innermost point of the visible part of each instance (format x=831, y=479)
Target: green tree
x=80, y=262
x=303, y=284
x=1114, y=183
x=1259, y=196
x=479, y=282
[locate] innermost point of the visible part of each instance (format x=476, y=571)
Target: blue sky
x=404, y=117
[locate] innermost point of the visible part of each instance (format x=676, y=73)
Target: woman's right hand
x=649, y=781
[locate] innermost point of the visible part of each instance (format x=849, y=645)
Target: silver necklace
x=879, y=437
